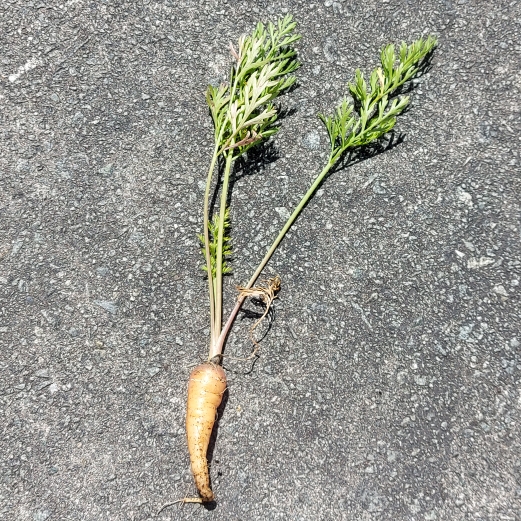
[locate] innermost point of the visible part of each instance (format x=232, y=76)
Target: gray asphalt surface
x=388, y=384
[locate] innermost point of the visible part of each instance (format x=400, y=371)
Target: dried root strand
x=182, y=501
x=267, y=294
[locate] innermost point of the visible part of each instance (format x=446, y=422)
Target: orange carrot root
x=205, y=391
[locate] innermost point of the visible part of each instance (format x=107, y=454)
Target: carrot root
x=205, y=391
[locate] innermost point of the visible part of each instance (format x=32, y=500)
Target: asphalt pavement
x=387, y=384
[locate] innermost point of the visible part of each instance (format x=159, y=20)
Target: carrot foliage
x=243, y=114
x=349, y=128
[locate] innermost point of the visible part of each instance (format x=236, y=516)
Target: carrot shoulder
x=205, y=391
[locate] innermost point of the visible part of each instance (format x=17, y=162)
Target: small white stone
x=499, y=289
x=473, y=263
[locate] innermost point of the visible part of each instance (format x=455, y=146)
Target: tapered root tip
x=195, y=500
x=199, y=500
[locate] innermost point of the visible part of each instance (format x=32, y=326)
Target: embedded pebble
x=500, y=290
x=153, y=370
x=311, y=140
x=111, y=307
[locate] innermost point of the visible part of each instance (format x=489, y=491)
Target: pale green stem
x=219, y=255
x=218, y=348
x=206, y=234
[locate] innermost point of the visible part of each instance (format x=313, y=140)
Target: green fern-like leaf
x=242, y=111
x=213, y=227
x=377, y=113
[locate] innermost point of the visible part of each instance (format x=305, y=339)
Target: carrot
x=205, y=391
x=243, y=116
